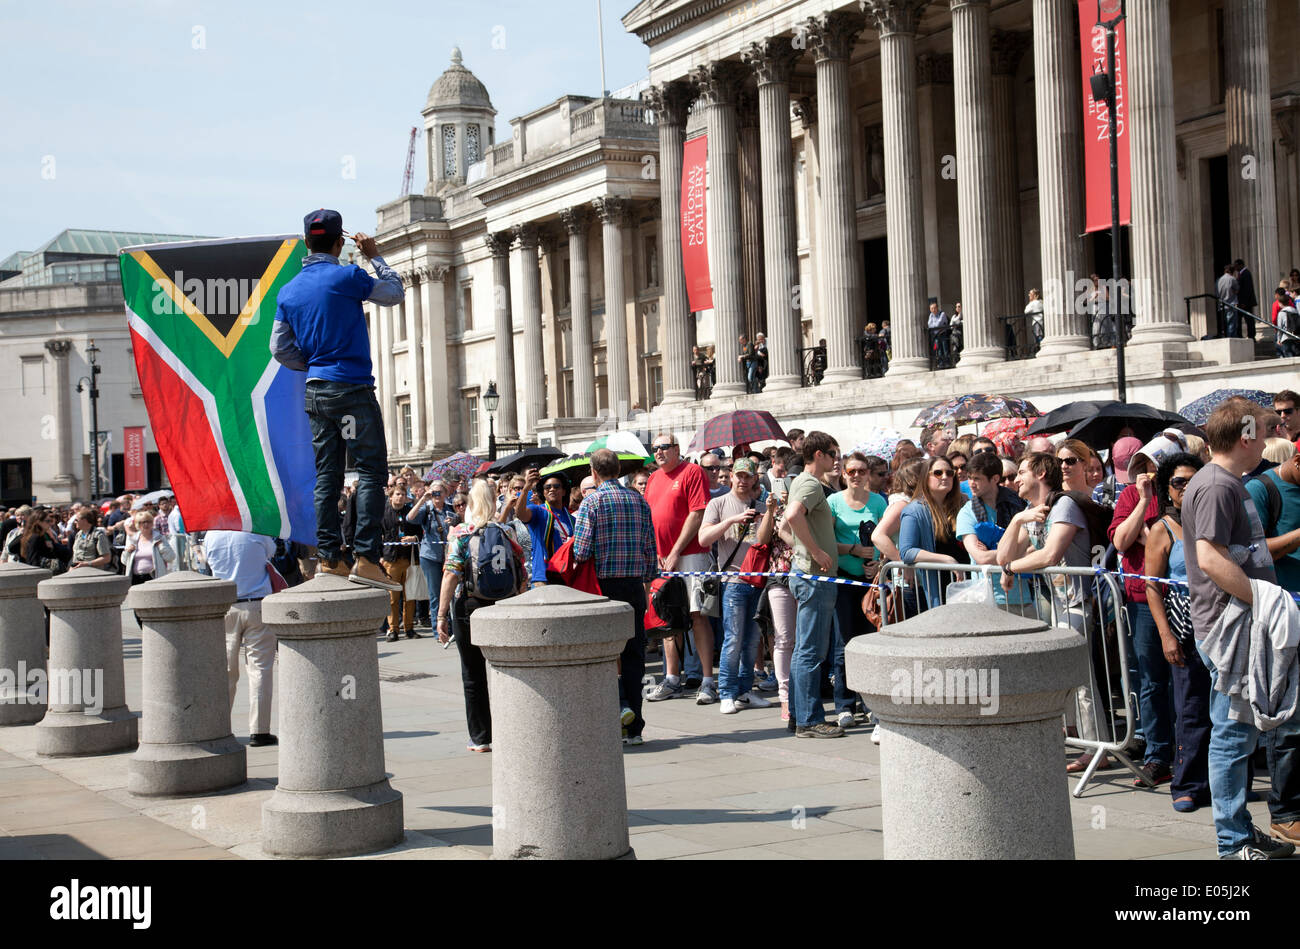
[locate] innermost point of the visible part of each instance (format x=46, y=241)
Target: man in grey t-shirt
x=1225, y=548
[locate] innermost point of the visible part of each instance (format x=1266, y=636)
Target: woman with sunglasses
x=928, y=528
x=1074, y=457
x=550, y=524
x=1170, y=607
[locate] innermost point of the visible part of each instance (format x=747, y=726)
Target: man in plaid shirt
x=613, y=527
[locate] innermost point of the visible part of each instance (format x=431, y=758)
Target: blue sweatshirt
x=320, y=326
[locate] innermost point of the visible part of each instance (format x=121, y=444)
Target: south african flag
x=228, y=419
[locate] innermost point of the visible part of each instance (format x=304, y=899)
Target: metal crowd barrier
x=1104, y=712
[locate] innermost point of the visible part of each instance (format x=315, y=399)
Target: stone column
x=332, y=799
x=576, y=222
x=1159, y=314
x=972, y=698
x=88, y=713
x=22, y=645
x=1058, y=110
x=1252, y=187
x=805, y=110
x=670, y=102
x=976, y=176
x=59, y=350
x=530, y=308
x=384, y=318
x=437, y=379
x=414, y=314
x=897, y=21
x=772, y=61
x=508, y=415
x=558, y=790
x=718, y=84
x=1010, y=296
x=613, y=213
x=186, y=745
x=751, y=212
x=831, y=37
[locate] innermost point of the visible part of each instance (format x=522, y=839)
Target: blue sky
x=237, y=117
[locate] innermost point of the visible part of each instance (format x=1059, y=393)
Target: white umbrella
x=152, y=497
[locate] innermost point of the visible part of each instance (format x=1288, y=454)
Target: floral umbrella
x=977, y=407
x=1005, y=432
x=881, y=442
x=462, y=463
x=1198, y=410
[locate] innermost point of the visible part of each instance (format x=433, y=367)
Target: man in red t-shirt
x=678, y=493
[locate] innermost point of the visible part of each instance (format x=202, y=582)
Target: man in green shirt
x=1278, y=505
x=809, y=515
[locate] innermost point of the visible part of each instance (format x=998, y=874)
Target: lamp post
x=92, y=352
x=1110, y=14
x=491, y=400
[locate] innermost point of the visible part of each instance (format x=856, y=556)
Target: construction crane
x=409, y=174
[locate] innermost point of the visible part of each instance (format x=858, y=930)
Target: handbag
x=757, y=559
x=278, y=582
x=415, y=587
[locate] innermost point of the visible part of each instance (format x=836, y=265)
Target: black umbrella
x=534, y=457
x=1102, y=428
x=1065, y=418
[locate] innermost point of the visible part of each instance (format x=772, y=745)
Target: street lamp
x=491, y=400
x=1110, y=14
x=92, y=352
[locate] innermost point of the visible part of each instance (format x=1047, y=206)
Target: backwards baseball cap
x=323, y=223
x=1122, y=454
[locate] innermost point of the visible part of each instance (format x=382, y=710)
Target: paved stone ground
x=704, y=785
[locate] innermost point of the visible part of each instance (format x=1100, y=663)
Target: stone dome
x=457, y=87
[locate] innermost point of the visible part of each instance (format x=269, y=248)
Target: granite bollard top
x=573, y=618
x=18, y=579
x=185, y=591
x=84, y=588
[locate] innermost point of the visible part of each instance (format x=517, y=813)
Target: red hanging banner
x=133, y=458
x=1096, y=130
x=695, y=244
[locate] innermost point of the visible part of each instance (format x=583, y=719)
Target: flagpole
x=600, y=35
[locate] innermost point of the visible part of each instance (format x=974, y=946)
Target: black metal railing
x=812, y=359
x=1288, y=339
x=944, y=348
x=1023, y=335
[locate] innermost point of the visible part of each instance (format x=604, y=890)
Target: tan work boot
x=336, y=567
x=370, y=574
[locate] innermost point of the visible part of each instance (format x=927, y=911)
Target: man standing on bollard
x=613, y=528
x=243, y=558
x=320, y=329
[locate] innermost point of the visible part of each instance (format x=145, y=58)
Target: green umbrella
x=627, y=463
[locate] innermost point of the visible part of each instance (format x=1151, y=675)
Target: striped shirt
x=613, y=526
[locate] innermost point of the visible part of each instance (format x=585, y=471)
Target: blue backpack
x=494, y=570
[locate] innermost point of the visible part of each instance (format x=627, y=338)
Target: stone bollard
x=22, y=645
x=186, y=746
x=970, y=700
x=88, y=713
x=558, y=790
x=333, y=798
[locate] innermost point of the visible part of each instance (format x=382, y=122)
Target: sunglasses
x=854, y=472
x=553, y=486
x=664, y=447
x=1067, y=462
x=944, y=473
x=1179, y=483
x=1285, y=411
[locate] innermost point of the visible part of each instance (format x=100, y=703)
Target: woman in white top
x=146, y=556
x=1034, y=310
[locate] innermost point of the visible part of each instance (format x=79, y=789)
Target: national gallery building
x=863, y=159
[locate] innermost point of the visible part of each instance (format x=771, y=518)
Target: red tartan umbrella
x=741, y=427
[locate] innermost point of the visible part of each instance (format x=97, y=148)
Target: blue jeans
x=1155, y=697
x=346, y=417
x=433, y=579
x=739, y=640
x=1231, y=745
x=812, y=632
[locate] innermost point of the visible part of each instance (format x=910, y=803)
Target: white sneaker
x=875, y=735
x=754, y=700
x=728, y=707
x=707, y=695
x=846, y=719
